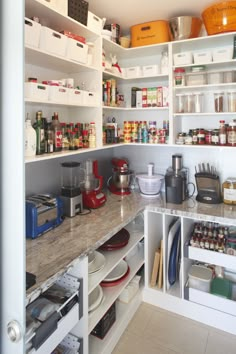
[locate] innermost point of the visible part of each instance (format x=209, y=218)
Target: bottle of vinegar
x=57, y=133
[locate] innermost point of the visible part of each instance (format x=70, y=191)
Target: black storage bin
x=78, y=10
x=103, y=326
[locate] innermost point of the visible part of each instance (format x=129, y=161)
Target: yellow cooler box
x=149, y=33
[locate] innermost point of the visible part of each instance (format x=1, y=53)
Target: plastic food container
x=231, y=101
x=150, y=184
x=221, y=287
x=200, y=278
x=196, y=79
x=219, y=101
x=215, y=77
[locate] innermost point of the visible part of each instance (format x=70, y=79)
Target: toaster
x=43, y=212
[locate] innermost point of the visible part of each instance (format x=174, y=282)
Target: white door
x=12, y=240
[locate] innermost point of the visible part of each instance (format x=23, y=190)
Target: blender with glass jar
x=70, y=188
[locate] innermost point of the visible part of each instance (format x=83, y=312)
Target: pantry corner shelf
x=35, y=101
x=207, y=86
x=203, y=114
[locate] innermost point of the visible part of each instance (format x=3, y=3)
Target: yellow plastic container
x=220, y=17
x=149, y=33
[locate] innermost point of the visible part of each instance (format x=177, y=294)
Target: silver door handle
x=14, y=331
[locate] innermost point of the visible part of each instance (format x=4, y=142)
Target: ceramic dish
x=117, y=272
x=95, y=298
x=119, y=240
x=97, y=264
x=106, y=284
x=91, y=258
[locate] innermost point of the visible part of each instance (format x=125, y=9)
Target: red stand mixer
x=93, y=197
x=119, y=182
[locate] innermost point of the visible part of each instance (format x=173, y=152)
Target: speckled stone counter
x=51, y=254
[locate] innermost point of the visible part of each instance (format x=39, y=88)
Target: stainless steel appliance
x=119, y=183
x=176, y=181
x=70, y=188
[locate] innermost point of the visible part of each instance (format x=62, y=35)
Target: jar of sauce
x=179, y=77
x=229, y=191
x=215, y=137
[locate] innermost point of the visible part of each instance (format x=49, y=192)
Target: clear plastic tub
x=231, y=95
x=215, y=77
x=180, y=103
x=196, y=79
x=199, y=277
x=197, y=102
x=219, y=101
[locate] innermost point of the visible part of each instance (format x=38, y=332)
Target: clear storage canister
x=219, y=101
x=197, y=102
x=180, y=102
x=231, y=95
x=189, y=103
x=215, y=77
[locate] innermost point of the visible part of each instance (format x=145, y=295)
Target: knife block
x=208, y=187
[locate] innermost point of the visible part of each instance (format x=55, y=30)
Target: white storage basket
x=77, y=51
x=52, y=41
x=32, y=32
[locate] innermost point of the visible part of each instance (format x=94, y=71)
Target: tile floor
x=156, y=331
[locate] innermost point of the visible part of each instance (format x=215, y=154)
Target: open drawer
x=51, y=326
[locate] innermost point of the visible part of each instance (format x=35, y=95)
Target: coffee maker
x=92, y=183
x=176, y=181
x=70, y=188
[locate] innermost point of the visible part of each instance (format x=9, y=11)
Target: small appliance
x=176, y=181
x=208, y=185
x=119, y=183
x=43, y=213
x=93, y=197
x=70, y=188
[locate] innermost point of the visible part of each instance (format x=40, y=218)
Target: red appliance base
x=117, y=191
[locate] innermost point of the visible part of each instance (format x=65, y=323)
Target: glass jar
x=198, y=102
x=215, y=137
x=231, y=134
x=229, y=191
x=208, y=137
x=219, y=101
x=201, y=136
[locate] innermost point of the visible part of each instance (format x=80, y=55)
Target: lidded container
x=231, y=95
x=231, y=134
x=179, y=77
x=229, y=190
x=200, y=278
x=219, y=101
x=180, y=102
x=150, y=184
x=197, y=102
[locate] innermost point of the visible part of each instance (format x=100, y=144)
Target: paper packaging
x=159, y=97
x=139, y=101
x=165, y=96
x=144, y=97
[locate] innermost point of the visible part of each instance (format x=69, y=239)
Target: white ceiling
x=132, y=12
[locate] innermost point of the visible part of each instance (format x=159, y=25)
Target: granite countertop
x=51, y=254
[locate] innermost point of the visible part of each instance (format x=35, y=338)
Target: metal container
x=122, y=180
x=184, y=27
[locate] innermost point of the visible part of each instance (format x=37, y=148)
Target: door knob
x=14, y=331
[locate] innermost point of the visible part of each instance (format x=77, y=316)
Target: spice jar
x=201, y=136
x=229, y=191
x=231, y=134
x=215, y=137
x=179, y=77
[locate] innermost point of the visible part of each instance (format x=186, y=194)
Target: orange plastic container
x=149, y=33
x=220, y=17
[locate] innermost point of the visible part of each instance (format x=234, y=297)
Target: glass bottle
x=40, y=134
x=164, y=63
x=57, y=133
x=92, y=135
x=30, y=138
x=49, y=139
x=222, y=133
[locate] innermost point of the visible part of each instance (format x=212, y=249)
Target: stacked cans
x=143, y=132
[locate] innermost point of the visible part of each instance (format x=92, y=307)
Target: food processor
x=70, y=188
x=93, y=197
x=119, y=183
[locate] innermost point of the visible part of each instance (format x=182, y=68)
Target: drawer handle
x=96, y=18
x=56, y=35
x=146, y=28
x=28, y=23
x=79, y=45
